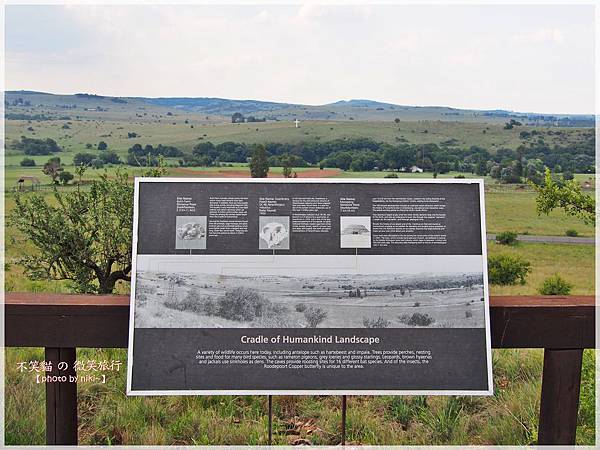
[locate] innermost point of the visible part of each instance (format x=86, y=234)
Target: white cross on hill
x=297, y=122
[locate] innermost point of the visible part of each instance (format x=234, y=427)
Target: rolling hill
x=21, y=103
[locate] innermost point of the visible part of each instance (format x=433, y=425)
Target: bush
x=571, y=233
x=242, y=304
x=507, y=269
x=191, y=302
x=301, y=307
x=380, y=322
x=391, y=175
x=417, y=319
x=27, y=162
x=314, y=316
x=555, y=285
x=506, y=238
x=65, y=177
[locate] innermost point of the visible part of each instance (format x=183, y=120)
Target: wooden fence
x=563, y=326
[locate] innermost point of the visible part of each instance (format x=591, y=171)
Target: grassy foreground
x=107, y=416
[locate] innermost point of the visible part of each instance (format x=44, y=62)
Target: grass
x=523, y=217
x=574, y=263
x=174, y=131
x=107, y=416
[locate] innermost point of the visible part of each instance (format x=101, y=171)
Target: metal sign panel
x=309, y=286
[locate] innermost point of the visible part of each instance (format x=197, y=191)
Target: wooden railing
x=563, y=326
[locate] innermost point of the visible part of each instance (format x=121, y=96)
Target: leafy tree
x=97, y=163
x=27, y=162
x=102, y=145
x=32, y=146
x=481, y=168
x=64, y=177
x=287, y=165
x=83, y=159
x=566, y=195
x=82, y=235
x=398, y=158
x=259, y=164
x=237, y=117
x=110, y=157
x=53, y=168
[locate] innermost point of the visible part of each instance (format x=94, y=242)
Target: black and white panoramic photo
x=255, y=296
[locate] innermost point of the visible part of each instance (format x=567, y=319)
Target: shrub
x=391, y=175
x=65, y=177
x=314, y=316
x=242, y=304
x=571, y=233
x=555, y=285
x=191, y=302
x=461, y=176
x=380, y=322
x=27, y=162
x=507, y=269
x=417, y=319
x=506, y=238
x=301, y=307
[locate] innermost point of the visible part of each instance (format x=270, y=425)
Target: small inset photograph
x=355, y=232
x=190, y=232
x=274, y=232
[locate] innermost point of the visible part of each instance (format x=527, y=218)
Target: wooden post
x=560, y=396
x=270, y=401
x=344, y=409
x=61, y=398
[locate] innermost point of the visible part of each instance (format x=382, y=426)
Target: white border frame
x=478, y=181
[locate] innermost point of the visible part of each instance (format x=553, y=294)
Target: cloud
x=462, y=56
x=541, y=36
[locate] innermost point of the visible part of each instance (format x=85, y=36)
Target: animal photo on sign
x=190, y=232
x=273, y=233
x=355, y=232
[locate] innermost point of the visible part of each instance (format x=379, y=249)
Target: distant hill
x=343, y=110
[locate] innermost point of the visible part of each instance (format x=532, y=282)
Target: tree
x=481, y=168
x=65, y=177
x=287, y=165
x=53, y=168
x=237, y=118
x=566, y=195
x=102, y=145
x=259, y=164
x=82, y=235
x=32, y=146
x=83, y=159
x=398, y=158
x=27, y=162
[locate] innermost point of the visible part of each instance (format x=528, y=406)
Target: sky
x=528, y=58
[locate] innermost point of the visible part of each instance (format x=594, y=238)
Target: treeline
x=359, y=154
x=363, y=154
x=32, y=146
